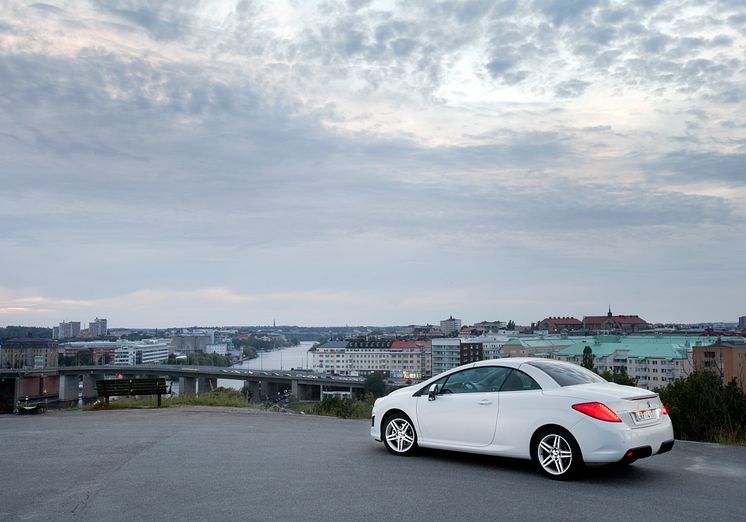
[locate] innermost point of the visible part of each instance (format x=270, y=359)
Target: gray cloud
x=699, y=167
x=571, y=88
x=47, y=8
x=160, y=169
x=162, y=19
x=560, y=11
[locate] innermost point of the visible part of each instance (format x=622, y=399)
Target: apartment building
x=410, y=359
x=98, y=328
x=397, y=359
x=66, y=330
x=470, y=351
x=446, y=354
x=492, y=345
x=539, y=346
x=450, y=325
x=331, y=357
x=726, y=356
x=28, y=353
x=654, y=361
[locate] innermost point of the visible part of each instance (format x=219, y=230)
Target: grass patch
x=219, y=397
x=330, y=406
x=336, y=407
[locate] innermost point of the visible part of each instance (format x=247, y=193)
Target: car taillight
x=597, y=410
x=664, y=410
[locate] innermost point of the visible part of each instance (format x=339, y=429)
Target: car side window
x=519, y=381
x=474, y=380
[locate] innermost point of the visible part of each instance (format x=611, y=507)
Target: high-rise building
x=450, y=325
x=98, y=328
x=66, y=330
x=742, y=323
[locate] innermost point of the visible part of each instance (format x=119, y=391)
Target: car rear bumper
x=634, y=454
x=606, y=442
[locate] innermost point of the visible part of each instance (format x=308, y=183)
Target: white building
x=403, y=360
x=492, y=345
x=446, y=354
x=218, y=348
x=142, y=352
x=331, y=357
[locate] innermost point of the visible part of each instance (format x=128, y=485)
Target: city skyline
x=363, y=162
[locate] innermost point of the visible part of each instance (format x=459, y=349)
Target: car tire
x=556, y=454
x=399, y=435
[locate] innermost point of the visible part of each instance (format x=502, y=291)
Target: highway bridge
x=63, y=384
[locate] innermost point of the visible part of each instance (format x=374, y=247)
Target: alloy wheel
x=555, y=455
x=400, y=436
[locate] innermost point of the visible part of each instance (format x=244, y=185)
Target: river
x=282, y=359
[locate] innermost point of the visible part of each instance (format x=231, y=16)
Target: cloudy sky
x=186, y=162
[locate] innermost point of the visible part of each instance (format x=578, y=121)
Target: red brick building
x=614, y=323
x=560, y=324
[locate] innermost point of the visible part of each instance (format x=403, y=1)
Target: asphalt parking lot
x=225, y=464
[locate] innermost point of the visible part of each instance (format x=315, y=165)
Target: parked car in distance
x=558, y=414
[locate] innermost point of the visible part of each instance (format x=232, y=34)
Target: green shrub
x=345, y=408
x=703, y=409
x=218, y=397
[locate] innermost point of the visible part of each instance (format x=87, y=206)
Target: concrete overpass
x=63, y=383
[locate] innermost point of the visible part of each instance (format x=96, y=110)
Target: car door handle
x=484, y=402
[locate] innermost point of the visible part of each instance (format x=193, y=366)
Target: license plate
x=644, y=416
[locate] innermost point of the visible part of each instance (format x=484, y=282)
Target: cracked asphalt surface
x=220, y=463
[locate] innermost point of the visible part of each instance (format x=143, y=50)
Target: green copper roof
x=641, y=347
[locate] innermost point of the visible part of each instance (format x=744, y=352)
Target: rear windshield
x=567, y=374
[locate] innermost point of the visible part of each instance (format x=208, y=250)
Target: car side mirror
x=432, y=392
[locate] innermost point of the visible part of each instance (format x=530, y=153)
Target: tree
x=84, y=357
x=703, y=409
x=588, y=358
x=374, y=384
x=619, y=378
x=511, y=325
x=247, y=392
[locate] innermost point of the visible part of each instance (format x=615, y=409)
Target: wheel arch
x=390, y=413
x=548, y=427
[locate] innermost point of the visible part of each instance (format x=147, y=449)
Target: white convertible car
x=558, y=414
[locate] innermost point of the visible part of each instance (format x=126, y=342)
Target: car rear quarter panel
x=522, y=413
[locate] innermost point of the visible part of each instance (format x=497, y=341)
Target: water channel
x=296, y=357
